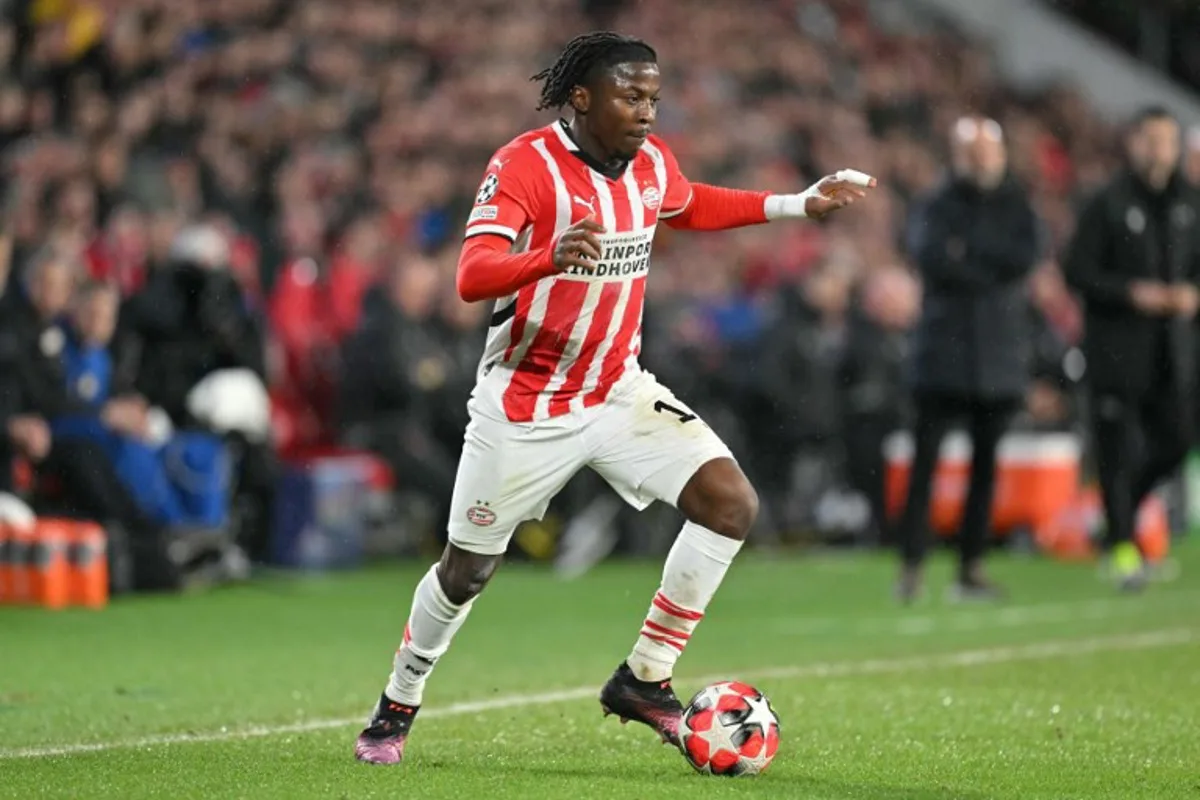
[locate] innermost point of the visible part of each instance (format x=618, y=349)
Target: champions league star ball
x=729, y=728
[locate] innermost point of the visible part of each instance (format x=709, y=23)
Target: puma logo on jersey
x=585, y=203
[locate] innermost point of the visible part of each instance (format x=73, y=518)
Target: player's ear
x=581, y=99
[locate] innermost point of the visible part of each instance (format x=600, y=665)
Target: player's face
x=623, y=108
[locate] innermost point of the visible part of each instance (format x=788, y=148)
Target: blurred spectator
x=308, y=319
x=190, y=320
x=35, y=392
x=188, y=326
x=1135, y=260
x=398, y=367
x=463, y=325
x=872, y=375
x=975, y=241
x=92, y=325
x=792, y=406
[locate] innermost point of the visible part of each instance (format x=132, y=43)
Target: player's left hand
x=836, y=191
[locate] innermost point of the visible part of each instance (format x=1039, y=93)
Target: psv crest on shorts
x=480, y=515
x=487, y=190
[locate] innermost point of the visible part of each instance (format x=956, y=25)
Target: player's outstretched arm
x=488, y=271
x=712, y=208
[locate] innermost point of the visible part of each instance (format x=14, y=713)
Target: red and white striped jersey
x=564, y=342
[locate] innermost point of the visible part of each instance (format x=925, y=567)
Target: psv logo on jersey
x=651, y=198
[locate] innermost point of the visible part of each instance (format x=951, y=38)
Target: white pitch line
x=964, y=658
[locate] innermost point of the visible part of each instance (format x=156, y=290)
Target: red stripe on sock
x=663, y=604
x=407, y=633
x=664, y=640
x=665, y=631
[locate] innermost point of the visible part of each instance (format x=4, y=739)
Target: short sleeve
x=505, y=202
x=679, y=189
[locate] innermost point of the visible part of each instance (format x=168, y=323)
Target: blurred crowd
x=279, y=186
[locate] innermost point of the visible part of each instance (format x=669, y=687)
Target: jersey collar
x=563, y=129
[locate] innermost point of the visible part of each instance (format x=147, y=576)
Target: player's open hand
x=578, y=246
x=837, y=191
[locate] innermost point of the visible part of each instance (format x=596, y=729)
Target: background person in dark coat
x=974, y=240
x=1135, y=260
x=190, y=320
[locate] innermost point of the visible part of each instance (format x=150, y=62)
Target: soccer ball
x=729, y=728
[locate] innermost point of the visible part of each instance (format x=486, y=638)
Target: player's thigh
x=648, y=444
x=508, y=473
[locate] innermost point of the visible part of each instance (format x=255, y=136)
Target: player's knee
x=463, y=584
x=463, y=574
x=721, y=499
x=736, y=512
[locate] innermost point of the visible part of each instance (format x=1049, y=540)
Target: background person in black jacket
x=1135, y=260
x=975, y=240
x=190, y=320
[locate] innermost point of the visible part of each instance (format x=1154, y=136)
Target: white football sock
x=694, y=569
x=432, y=623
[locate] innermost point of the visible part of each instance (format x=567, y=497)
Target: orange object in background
x=54, y=563
x=1072, y=533
x=46, y=564
x=1153, y=529
x=87, y=565
x=20, y=587
x=6, y=577
x=1037, y=477
x=1075, y=533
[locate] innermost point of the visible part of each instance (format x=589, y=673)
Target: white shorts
x=642, y=440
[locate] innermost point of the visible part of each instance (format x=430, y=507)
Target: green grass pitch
x=1066, y=691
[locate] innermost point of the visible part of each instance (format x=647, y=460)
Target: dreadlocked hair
x=582, y=56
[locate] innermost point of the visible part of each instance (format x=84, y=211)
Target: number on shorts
x=684, y=416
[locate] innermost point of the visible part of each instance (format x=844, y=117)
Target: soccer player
x=559, y=239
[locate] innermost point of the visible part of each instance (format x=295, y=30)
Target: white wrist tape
x=788, y=206
x=791, y=206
